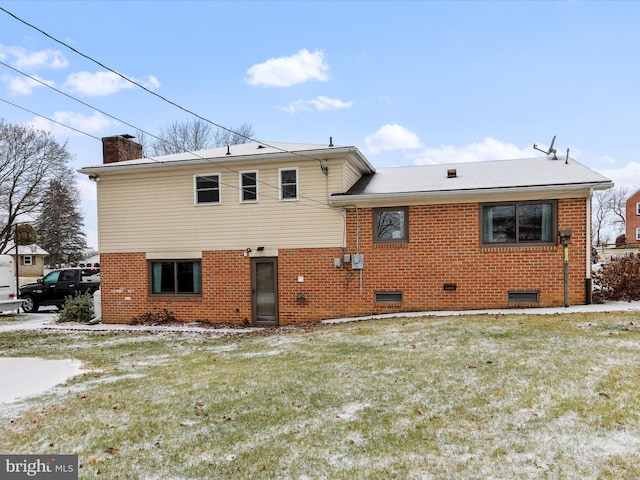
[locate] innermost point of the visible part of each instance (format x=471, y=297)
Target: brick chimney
x=120, y=148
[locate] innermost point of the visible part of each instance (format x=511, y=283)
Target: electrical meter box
x=357, y=261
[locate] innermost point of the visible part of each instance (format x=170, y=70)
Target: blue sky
x=406, y=82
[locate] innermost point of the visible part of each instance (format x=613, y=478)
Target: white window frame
x=25, y=262
x=195, y=188
x=637, y=233
x=240, y=176
x=638, y=208
x=280, y=187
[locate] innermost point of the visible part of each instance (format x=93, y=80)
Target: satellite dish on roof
x=24, y=234
x=550, y=150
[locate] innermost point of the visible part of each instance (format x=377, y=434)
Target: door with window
x=264, y=289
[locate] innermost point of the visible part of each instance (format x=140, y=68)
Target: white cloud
x=94, y=123
x=24, y=59
x=320, y=103
x=96, y=84
x=325, y=103
x=625, y=176
x=152, y=83
x=391, y=137
x=287, y=71
x=25, y=85
x=104, y=83
x=488, y=149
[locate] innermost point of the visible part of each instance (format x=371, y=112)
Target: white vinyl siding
x=351, y=176
x=154, y=212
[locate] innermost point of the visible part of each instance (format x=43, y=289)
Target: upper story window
x=638, y=208
x=249, y=186
x=391, y=225
x=519, y=223
x=288, y=183
x=207, y=189
x=175, y=277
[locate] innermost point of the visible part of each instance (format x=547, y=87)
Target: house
x=30, y=259
x=632, y=218
x=274, y=234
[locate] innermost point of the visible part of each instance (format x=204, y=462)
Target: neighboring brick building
x=632, y=218
x=286, y=233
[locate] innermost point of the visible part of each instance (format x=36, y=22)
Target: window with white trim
x=27, y=260
x=207, y=189
x=288, y=183
x=637, y=233
x=638, y=208
x=249, y=186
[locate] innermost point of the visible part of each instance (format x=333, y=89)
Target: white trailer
x=8, y=298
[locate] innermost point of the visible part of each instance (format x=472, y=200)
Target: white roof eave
x=346, y=200
x=146, y=164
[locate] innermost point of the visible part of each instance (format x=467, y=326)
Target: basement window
x=523, y=296
x=388, y=297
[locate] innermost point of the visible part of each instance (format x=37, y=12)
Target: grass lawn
x=473, y=397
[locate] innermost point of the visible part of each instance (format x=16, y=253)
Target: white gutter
x=457, y=195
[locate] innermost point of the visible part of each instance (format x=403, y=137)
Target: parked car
x=8, y=299
x=57, y=286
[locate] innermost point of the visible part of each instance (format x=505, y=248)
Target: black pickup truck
x=57, y=286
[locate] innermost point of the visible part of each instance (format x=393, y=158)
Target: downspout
x=587, y=283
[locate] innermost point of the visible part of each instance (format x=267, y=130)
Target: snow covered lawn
x=465, y=397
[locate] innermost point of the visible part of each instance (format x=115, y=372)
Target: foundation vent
x=523, y=296
x=389, y=297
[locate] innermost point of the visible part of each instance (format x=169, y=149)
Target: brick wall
x=443, y=248
x=632, y=219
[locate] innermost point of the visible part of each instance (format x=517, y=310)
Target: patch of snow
x=24, y=377
x=267, y=353
x=350, y=410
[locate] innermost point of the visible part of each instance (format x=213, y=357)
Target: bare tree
x=608, y=212
x=29, y=160
x=241, y=134
x=599, y=216
x=617, y=199
x=191, y=136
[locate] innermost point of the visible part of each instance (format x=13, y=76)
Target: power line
x=148, y=90
x=47, y=118
x=220, y=165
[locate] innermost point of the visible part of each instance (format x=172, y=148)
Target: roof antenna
x=228, y=151
x=566, y=162
x=331, y=141
x=550, y=151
